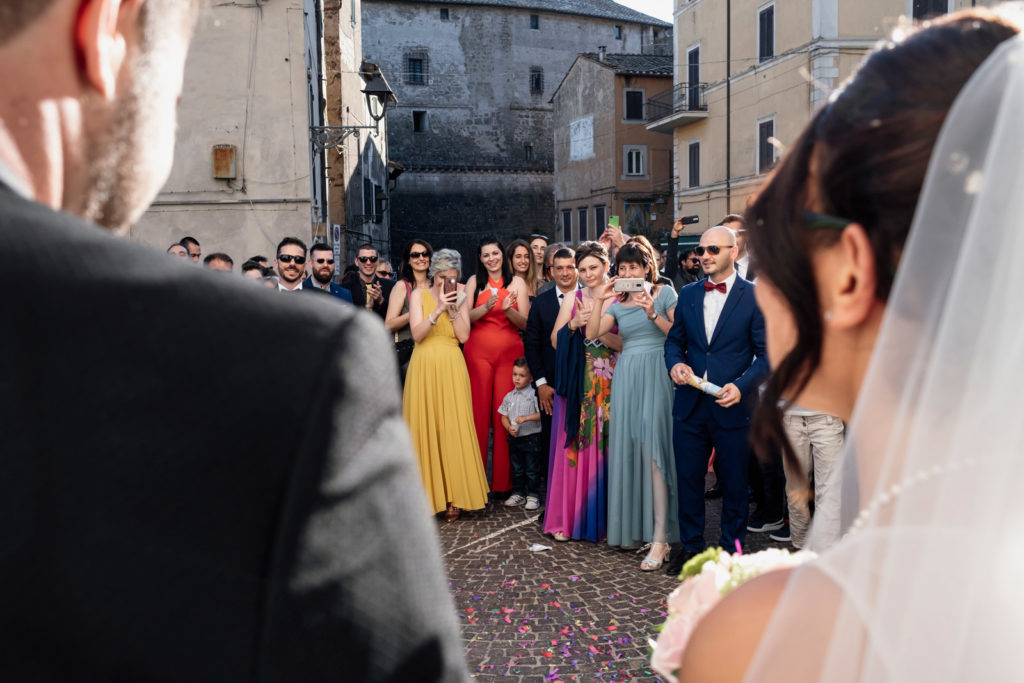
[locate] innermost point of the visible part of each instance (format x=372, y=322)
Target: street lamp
x=378, y=96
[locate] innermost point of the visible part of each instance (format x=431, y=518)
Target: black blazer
x=540, y=354
x=358, y=291
x=197, y=482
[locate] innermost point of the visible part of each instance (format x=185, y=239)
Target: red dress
x=494, y=344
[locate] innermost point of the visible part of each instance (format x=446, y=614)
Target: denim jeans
x=524, y=455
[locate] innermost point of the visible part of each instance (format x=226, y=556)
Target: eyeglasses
x=419, y=254
x=322, y=261
x=288, y=258
x=384, y=273
x=712, y=249
x=695, y=260
x=814, y=219
x=366, y=259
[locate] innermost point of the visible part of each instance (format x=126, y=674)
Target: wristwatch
x=654, y=317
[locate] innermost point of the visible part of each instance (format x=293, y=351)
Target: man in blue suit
x=718, y=335
x=323, y=273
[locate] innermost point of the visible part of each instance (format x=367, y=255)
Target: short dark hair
x=320, y=246
x=365, y=245
x=734, y=218
x=252, y=265
x=521, y=363
x=563, y=252
x=257, y=258
x=685, y=256
x=632, y=252
x=295, y=241
x=219, y=256
x=187, y=240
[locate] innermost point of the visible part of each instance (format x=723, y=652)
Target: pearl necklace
x=889, y=495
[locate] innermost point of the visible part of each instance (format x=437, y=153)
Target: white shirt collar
x=282, y=288
x=12, y=180
x=729, y=282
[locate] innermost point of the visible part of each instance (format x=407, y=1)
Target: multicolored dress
x=577, y=493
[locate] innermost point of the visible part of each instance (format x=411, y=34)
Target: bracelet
x=433, y=321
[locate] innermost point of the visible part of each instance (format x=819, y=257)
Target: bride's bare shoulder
x=724, y=643
x=726, y=639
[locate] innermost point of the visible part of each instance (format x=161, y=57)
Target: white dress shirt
x=741, y=265
x=714, y=302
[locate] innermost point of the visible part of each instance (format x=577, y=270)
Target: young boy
x=520, y=416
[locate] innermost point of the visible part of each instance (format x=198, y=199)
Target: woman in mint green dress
x=642, y=505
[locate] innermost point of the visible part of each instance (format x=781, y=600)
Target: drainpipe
x=728, y=106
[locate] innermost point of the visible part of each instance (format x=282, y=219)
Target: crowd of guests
x=531, y=377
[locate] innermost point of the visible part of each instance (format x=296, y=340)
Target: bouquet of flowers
x=706, y=578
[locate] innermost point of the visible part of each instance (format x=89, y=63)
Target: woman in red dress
x=501, y=304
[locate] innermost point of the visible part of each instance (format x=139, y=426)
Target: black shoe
x=759, y=525
x=782, y=535
x=713, y=492
x=676, y=561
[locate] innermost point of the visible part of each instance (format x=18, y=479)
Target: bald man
x=718, y=336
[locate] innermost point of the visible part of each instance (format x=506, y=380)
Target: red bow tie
x=708, y=286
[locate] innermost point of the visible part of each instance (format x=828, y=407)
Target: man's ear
x=850, y=279
x=101, y=41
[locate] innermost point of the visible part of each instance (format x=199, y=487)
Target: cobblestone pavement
x=577, y=612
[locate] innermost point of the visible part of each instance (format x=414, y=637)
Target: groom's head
x=90, y=97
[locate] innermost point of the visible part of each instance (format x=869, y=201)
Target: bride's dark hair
x=862, y=158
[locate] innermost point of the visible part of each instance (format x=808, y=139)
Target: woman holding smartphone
x=642, y=506
x=437, y=399
x=500, y=305
x=576, y=505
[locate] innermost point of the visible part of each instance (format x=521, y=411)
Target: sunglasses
x=288, y=258
x=695, y=260
x=322, y=261
x=823, y=220
x=367, y=259
x=712, y=249
x=384, y=273
x=419, y=254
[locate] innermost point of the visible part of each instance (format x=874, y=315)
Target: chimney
x=601, y=49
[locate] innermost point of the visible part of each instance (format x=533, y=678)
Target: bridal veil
x=928, y=583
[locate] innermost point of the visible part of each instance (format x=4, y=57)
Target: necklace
x=887, y=496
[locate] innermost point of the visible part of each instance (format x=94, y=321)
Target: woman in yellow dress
x=437, y=402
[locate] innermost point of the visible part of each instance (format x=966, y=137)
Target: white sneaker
x=514, y=501
x=532, y=502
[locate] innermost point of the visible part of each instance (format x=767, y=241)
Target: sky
x=660, y=9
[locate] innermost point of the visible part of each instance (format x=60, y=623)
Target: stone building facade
x=259, y=77
x=606, y=162
x=749, y=75
x=473, y=127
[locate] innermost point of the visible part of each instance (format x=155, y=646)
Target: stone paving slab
x=578, y=612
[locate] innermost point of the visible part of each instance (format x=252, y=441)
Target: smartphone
x=629, y=284
x=613, y=220
x=450, y=285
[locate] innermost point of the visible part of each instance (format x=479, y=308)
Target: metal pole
x=728, y=106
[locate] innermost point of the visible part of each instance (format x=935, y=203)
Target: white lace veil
x=930, y=585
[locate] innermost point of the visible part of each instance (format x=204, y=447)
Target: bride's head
x=828, y=228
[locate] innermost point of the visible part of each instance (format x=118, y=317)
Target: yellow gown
x=438, y=408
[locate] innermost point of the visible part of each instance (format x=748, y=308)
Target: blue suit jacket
x=540, y=354
x=735, y=354
x=336, y=289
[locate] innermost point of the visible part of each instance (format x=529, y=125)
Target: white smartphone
x=629, y=284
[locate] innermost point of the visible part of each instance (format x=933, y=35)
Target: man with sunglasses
x=290, y=264
x=679, y=269
x=322, y=277
x=368, y=290
x=717, y=336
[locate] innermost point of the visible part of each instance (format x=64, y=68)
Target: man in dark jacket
x=271, y=540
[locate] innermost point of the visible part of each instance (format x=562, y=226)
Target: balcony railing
x=682, y=99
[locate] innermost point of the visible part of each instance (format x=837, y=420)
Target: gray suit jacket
x=198, y=483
